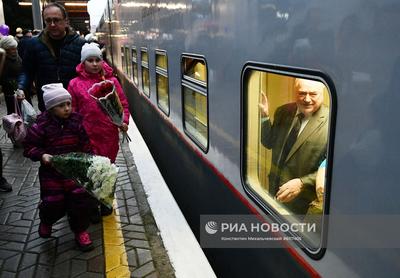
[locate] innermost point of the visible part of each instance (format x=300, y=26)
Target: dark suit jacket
x=304, y=158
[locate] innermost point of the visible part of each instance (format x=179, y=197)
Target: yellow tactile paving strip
x=116, y=259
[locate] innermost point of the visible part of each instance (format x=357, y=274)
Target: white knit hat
x=90, y=50
x=54, y=94
x=7, y=42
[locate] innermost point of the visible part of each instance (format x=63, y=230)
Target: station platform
x=146, y=236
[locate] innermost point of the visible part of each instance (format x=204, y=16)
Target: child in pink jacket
x=103, y=134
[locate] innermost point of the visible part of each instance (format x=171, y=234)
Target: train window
x=194, y=95
x=286, y=125
x=123, y=57
x=134, y=66
x=195, y=68
x=128, y=61
x=145, y=72
x=162, y=81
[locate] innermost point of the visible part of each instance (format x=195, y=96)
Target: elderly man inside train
x=297, y=137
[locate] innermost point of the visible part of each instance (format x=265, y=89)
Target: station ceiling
x=78, y=14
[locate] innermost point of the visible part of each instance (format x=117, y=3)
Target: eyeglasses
x=55, y=20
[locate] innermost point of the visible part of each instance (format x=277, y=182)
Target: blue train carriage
x=196, y=72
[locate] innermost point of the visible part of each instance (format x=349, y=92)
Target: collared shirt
x=304, y=122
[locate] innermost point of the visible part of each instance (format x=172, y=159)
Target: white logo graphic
x=211, y=227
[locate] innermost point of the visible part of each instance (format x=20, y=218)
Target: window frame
x=314, y=253
x=134, y=61
x=164, y=73
x=144, y=64
x=200, y=87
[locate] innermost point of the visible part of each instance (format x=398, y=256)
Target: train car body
x=352, y=47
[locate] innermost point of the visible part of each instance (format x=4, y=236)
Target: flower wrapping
x=105, y=94
x=96, y=174
x=107, y=97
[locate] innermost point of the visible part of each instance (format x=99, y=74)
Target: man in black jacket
x=23, y=42
x=53, y=55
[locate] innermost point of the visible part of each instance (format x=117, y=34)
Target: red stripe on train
x=290, y=249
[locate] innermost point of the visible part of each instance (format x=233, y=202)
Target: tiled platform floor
x=127, y=242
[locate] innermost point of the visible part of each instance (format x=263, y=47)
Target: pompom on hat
x=90, y=50
x=54, y=94
x=18, y=32
x=90, y=38
x=8, y=42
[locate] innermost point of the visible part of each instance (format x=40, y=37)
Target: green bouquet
x=96, y=174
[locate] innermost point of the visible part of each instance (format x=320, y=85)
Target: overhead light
x=76, y=4
x=25, y=3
